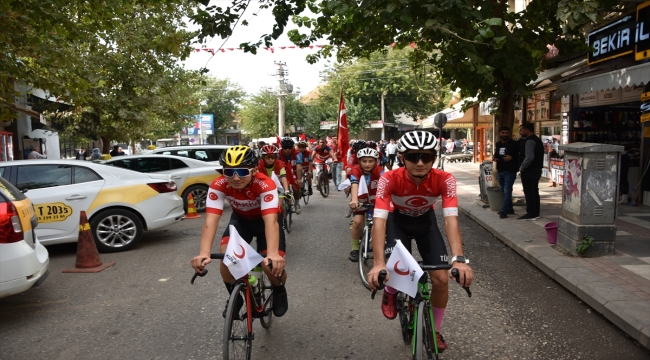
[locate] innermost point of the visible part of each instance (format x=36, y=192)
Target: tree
x=259, y=114
x=223, y=99
x=138, y=86
x=478, y=47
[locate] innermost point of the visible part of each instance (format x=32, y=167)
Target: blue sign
x=207, y=121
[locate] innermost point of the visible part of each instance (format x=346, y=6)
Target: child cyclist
x=368, y=171
x=269, y=165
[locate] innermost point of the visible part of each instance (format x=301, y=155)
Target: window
x=9, y=191
x=184, y=153
x=147, y=165
x=199, y=155
x=125, y=164
x=43, y=176
x=216, y=154
x=2, y=171
x=165, y=153
x=178, y=164
x=84, y=175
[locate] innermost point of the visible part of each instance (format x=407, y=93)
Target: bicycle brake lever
x=456, y=275
x=202, y=274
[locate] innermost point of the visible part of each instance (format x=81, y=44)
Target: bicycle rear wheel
x=237, y=341
x=267, y=300
x=405, y=317
x=305, y=191
x=366, y=259
x=424, y=347
x=286, y=221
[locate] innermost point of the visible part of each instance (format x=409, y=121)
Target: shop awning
x=634, y=75
x=27, y=111
x=567, y=68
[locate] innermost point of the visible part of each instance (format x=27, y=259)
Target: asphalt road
x=145, y=308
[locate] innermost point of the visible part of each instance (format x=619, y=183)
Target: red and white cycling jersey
x=256, y=200
x=398, y=192
x=321, y=154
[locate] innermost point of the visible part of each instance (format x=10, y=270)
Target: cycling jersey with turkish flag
x=321, y=154
x=398, y=192
x=256, y=200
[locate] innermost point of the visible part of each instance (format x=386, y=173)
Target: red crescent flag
x=343, y=134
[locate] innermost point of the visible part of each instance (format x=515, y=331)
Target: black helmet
x=371, y=144
x=287, y=143
x=358, y=145
x=238, y=155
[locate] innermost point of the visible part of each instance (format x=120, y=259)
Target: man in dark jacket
x=531, y=161
x=81, y=154
x=506, y=155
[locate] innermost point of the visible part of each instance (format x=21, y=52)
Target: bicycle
x=366, y=258
x=304, y=190
x=257, y=304
x=413, y=313
x=288, y=198
x=323, y=180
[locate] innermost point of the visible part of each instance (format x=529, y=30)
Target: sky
x=254, y=72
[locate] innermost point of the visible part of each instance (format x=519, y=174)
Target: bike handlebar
x=218, y=257
x=380, y=279
x=454, y=273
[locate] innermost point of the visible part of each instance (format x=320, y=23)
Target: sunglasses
x=415, y=157
x=241, y=172
x=272, y=156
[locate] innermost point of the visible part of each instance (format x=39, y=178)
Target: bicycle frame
x=423, y=294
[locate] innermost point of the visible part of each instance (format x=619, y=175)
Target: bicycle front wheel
x=424, y=347
x=267, y=300
x=237, y=341
x=366, y=259
x=324, y=183
x=405, y=317
x=305, y=191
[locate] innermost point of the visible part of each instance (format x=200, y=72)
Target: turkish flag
x=343, y=135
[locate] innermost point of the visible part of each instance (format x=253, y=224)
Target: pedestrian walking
x=95, y=155
x=531, y=158
x=391, y=150
x=337, y=168
x=506, y=156
x=81, y=154
x=36, y=154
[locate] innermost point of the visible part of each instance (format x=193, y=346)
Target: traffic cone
x=88, y=260
x=191, y=209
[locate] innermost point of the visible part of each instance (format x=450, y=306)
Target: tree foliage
x=223, y=99
x=259, y=113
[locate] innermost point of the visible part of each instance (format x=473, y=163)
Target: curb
x=618, y=305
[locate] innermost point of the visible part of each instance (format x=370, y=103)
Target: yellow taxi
x=120, y=204
x=24, y=262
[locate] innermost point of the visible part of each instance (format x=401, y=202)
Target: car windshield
x=9, y=192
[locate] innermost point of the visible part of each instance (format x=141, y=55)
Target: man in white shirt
x=391, y=150
x=36, y=154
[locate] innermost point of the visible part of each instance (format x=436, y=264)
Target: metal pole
x=201, y=135
x=383, y=124
x=281, y=116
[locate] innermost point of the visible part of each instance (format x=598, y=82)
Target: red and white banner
x=343, y=134
x=240, y=257
x=404, y=270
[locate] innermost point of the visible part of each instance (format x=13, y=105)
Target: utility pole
x=383, y=116
x=284, y=88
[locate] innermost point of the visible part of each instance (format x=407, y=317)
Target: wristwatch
x=460, y=259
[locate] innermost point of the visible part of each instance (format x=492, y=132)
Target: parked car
x=191, y=176
x=120, y=204
x=207, y=153
x=24, y=262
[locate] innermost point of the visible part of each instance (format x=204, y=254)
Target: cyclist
x=270, y=164
x=253, y=197
x=293, y=158
x=368, y=171
x=322, y=154
x=306, y=163
x=404, y=209
x=352, y=157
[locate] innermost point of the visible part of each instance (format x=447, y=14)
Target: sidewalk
x=617, y=286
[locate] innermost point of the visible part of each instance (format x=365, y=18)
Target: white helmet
x=417, y=140
x=368, y=152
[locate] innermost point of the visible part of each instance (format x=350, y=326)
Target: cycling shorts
x=249, y=228
x=424, y=229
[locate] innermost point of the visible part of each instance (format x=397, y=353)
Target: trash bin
x=495, y=198
x=551, y=232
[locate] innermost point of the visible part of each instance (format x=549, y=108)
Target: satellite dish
x=440, y=120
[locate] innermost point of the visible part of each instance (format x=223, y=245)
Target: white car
x=191, y=176
x=24, y=262
x=120, y=204
x=207, y=153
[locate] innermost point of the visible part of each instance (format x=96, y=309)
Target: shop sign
x=632, y=93
x=608, y=96
x=588, y=98
x=642, y=35
x=566, y=104
x=612, y=41
x=645, y=104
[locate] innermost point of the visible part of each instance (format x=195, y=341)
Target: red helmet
x=269, y=149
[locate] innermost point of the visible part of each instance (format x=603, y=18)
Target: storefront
x=484, y=134
x=606, y=107
x=459, y=126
